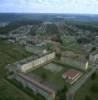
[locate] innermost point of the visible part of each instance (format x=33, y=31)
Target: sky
x=50, y=6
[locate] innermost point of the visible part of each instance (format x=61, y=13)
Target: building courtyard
x=44, y=75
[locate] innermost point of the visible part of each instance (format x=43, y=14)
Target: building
x=93, y=58
x=77, y=60
x=21, y=68
x=33, y=49
x=36, y=87
x=32, y=64
x=72, y=76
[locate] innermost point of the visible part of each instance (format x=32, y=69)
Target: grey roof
x=36, y=83
x=29, y=59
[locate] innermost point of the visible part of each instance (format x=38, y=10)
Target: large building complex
x=22, y=67
x=35, y=63
x=30, y=72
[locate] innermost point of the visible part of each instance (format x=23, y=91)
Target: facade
x=83, y=65
x=37, y=87
x=72, y=76
x=93, y=57
x=78, y=61
x=36, y=63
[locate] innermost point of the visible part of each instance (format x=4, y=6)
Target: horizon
x=47, y=13
x=49, y=6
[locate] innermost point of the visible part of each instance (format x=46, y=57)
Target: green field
x=85, y=91
x=10, y=92
x=9, y=53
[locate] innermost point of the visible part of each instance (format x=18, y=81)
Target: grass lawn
x=10, y=92
x=53, y=77
x=10, y=53
x=85, y=90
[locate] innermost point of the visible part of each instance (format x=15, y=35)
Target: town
x=48, y=71
x=48, y=56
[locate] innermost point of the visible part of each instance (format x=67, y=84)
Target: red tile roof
x=71, y=73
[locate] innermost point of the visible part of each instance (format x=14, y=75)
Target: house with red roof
x=72, y=76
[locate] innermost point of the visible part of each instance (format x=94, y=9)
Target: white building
x=93, y=57
x=76, y=60
x=36, y=63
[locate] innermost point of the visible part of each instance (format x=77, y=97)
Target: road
x=71, y=92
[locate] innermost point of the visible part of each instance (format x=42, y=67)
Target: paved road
x=71, y=93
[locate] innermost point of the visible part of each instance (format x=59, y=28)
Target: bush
x=93, y=49
x=94, y=88
x=87, y=98
x=61, y=95
x=94, y=76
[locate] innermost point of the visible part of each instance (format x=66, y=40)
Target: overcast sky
x=50, y=6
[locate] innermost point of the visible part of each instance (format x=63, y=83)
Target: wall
x=75, y=63
x=36, y=63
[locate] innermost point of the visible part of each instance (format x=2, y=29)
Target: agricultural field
x=89, y=91
x=10, y=53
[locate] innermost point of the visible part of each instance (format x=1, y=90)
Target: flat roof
x=31, y=58
x=74, y=56
x=36, y=83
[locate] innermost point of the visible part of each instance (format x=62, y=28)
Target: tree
x=87, y=57
x=58, y=55
x=61, y=95
x=94, y=88
x=44, y=76
x=94, y=76
x=49, y=46
x=93, y=49
x=64, y=89
x=83, y=40
x=87, y=98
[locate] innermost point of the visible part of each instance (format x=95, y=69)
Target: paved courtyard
x=53, y=67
